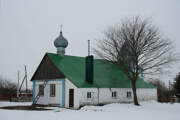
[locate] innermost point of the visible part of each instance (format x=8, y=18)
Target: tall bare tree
x=136, y=46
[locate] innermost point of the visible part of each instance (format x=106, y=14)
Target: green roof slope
x=106, y=75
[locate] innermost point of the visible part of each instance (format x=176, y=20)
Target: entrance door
x=71, y=97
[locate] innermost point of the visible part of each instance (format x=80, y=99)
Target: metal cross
x=61, y=27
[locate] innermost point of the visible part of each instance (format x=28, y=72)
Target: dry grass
x=24, y=108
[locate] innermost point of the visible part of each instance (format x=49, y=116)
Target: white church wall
x=80, y=94
x=83, y=100
x=121, y=95
x=47, y=99
x=144, y=94
x=105, y=95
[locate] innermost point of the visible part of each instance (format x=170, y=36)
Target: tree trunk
x=134, y=93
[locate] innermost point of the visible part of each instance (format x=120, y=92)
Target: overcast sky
x=28, y=27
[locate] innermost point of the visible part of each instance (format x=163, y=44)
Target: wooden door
x=71, y=97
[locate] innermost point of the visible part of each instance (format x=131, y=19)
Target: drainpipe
x=98, y=96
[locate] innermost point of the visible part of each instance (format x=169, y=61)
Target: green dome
x=60, y=41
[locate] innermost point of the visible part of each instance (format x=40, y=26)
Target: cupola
x=60, y=43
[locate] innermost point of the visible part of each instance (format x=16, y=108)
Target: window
x=114, y=94
x=52, y=90
x=128, y=94
x=41, y=90
x=88, y=94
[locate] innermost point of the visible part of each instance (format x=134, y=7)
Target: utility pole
x=88, y=47
x=26, y=79
x=18, y=86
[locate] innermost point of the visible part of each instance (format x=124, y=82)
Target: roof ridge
x=74, y=56
x=66, y=55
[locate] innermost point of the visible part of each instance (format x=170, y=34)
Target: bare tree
x=136, y=46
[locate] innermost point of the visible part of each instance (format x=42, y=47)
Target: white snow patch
x=4, y=103
x=150, y=110
x=92, y=108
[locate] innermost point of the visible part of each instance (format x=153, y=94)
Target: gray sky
x=28, y=27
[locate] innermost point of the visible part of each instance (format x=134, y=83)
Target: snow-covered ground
x=150, y=110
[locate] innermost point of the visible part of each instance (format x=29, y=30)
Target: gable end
x=47, y=70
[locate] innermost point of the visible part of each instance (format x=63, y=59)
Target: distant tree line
x=8, y=89
x=7, y=86
x=176, y=86
x=170, y=93
x=164, y=94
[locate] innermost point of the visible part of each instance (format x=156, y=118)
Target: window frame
x=129, y=95
x=41, y=90
x=89, y=95
x=52, y=90
x=114, y=94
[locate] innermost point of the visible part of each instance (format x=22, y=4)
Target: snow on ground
x=14, y=103
x=150, y=110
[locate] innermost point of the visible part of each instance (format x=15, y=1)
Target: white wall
x=46, y=99
x=80, y=94
x=105, y=95
x=83, y=100
x=146, y=94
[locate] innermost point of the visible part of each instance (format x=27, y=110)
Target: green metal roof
x=106, y=75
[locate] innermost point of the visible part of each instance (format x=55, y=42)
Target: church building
x=73, y=81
